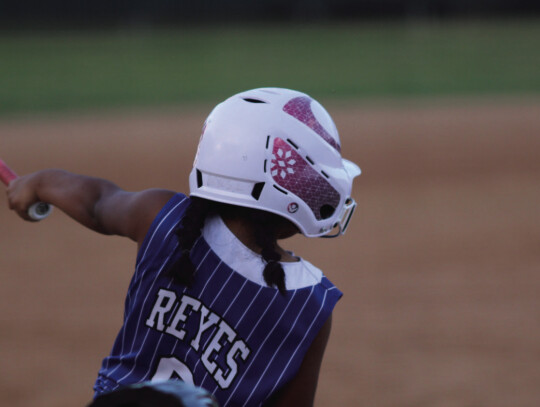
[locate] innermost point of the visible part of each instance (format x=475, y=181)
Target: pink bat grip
x=37, y=211
x=6, y=174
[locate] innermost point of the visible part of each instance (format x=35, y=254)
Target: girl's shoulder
x=163, y=222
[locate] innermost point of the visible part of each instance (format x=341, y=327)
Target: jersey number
x=172, y=368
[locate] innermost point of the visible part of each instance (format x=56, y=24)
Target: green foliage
x=99, y=69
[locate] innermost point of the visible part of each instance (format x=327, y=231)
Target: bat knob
x=39, y=210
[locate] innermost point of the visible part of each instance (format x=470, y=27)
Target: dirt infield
x=440, y=268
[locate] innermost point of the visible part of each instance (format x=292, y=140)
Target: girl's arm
x=93, y=202
x=300, y=392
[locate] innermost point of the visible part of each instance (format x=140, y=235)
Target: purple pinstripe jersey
x=238, y=339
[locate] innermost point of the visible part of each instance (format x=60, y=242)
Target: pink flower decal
x=300, y=108
x=290, y=171
x=283, y=163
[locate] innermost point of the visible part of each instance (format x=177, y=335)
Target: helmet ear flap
x=294, y=171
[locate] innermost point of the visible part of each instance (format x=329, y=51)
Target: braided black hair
x=187, y=232
x=264, y=228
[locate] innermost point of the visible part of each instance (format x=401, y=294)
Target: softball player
x=215, y=300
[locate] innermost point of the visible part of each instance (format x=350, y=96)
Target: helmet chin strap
x=337, y=234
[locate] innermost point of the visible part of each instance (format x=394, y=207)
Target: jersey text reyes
x=169, y=314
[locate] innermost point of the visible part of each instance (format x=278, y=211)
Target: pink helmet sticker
x=300, y=108
x=290, y=171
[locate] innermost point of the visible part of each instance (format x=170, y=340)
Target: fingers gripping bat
x=39, y=210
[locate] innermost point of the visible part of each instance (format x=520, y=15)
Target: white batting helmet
x=276, y=150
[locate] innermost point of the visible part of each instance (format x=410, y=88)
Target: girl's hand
x=22, y=193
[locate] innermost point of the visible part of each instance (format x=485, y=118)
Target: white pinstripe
x=142, y=347
x=224, y=314
x=172, y=312
x=249, y=306
x=254, y=357
x=235, y=297
x=200, y=295
x=299, y=343
x=210, y=306
x=222, y=317
x=139, y=321
x=280, y=345
x=244, y=314
x=137, y=328
x=137, y=270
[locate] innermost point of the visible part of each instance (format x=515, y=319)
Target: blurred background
x=437, y=101
x=63, y=55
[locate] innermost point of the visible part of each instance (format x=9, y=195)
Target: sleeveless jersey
x=239, y=339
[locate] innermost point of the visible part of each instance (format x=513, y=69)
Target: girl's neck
x=242, y=230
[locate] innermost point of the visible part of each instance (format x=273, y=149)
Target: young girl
x=215, y=300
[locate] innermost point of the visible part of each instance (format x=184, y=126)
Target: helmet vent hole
x=199, y=179
x=251, y=100
x=327, y=211
x=310, y=160
x=257, y=189
x=325, y=174
x=280, y=190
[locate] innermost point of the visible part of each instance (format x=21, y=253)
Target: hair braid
x=264, y=226
x=187, y=232
x=265, y=237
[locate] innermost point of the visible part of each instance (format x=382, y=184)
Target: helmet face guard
x=343, y=220
x=276, y=150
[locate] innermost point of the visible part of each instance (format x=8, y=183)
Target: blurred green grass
x=58, y=71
